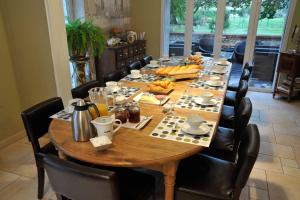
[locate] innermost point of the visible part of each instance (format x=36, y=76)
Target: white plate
x=152, y=66
x=135, y=77
x=164, y=59
x=199, y=100
x=215, y=83
x=203, y=129
x=223, y=64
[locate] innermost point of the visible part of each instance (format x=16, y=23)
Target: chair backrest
x=36, y=119
x=247, y=154
x=245, y=74
x=134, y=65
x=241, y=92
x=78, y=182
x=206, y=45
x=242, y=117
x=82, y=91
x=249, y=67
x=114, y=76
x=146, y=60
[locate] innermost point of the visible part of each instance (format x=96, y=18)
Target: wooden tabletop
x=135, y=148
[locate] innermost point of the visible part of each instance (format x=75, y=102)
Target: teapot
x=82, y=128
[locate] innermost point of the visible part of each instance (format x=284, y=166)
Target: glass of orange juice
x=98, y=96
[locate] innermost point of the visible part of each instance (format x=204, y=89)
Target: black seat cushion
x=204, y=177
x=135, y=185
x=224, y=139
x=230, y=98
x=223, y=146
x=227, y=117
x=233, y=86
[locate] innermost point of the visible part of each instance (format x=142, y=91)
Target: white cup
x=153, y=62
x=206, y=96
x=105, y=126
x=195, y=121
x=198, y=53
x=135, y=73
x=220, y=68
x=214, y=78
x=112, y=86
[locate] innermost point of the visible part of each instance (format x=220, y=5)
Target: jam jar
x=121, y=114
x=134, y=113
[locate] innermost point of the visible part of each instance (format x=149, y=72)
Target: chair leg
x=41, y=182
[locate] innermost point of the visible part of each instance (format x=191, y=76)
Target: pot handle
x=96, y=109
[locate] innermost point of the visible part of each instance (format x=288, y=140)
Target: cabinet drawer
x=120, y=55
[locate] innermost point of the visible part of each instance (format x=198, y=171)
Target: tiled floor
x=276, y=174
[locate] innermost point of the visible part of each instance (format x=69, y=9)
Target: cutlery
x=142, y=121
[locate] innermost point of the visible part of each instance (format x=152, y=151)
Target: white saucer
x=152, y=66
x=215, y=71
x=215, y=83
x=135, y=77
x=199, y=100
x=203, y=129
x=223, y=64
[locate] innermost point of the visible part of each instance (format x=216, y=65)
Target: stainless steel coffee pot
x=82, y=128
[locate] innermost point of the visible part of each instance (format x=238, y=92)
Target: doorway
x=241, y=31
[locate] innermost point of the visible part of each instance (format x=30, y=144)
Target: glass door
x=204, y=26
x=269, y=35
x=177, y=14
x=234, y=34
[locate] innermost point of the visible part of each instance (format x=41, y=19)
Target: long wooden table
x=135, y=148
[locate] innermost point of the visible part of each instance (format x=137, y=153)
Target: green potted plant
x=84, y=38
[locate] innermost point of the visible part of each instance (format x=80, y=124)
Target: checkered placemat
x=146, y=78
x=170, y=129
x=126, y=91
x=187, y=102
x=202, y=85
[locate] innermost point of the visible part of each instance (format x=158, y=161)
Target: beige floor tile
x=256, y=193
x=291, y=140
x=22, y=189
x=270, y=163
x=291, y=171
x=7, y=178
x=276, y=150
x=258, y=179
x=267, y=134
x=283, y=187
x=27, y=169
x=43, y=140
x=245, y=193
x=12, y=156
x=286, y=128
x=289, y=163
x=297, y=154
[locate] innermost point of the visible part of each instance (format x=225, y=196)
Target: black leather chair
x=227, y=138
x=36, y=122
x=244, y=76
x=146, y=60
x=70, y=180
x=206, y=45
x=209, y=178
x=233, y=98
x=115, y=75
x=134, y=65
x=82, y=91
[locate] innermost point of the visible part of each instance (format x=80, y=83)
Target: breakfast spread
x=196, y=59
x=177, y=70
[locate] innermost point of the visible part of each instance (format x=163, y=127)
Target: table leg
x=169, y=170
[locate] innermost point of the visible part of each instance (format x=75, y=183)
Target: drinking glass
x=98, y=96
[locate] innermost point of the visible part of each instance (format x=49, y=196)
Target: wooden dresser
x=119, y=57
x=289, y=64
